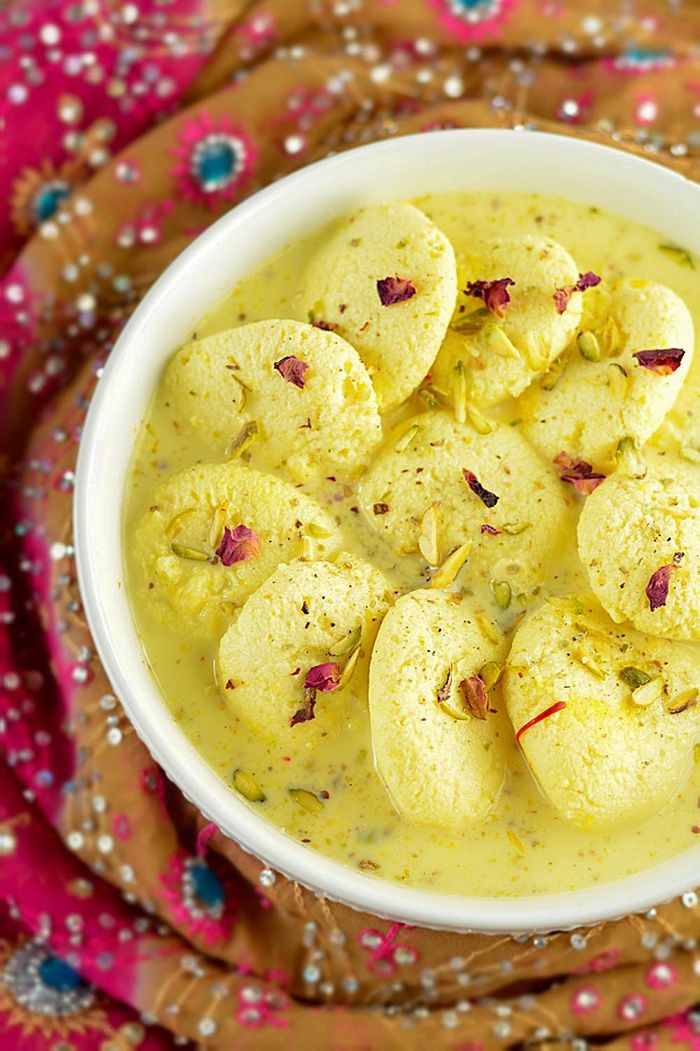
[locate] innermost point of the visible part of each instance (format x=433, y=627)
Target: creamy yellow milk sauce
x=523, y=846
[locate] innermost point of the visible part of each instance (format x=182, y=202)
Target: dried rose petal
x=494, y=294
x=306, y=713
x=445, y=690
x=394, y=290
x=238, y=545
x=292, y=370
x=563, y=295
x=662, y=362
x=380, y=508
x=491, y=530
x=325, y=326
x=487, y=498
x=657, y=588
x=578, y=473
x=323, y=677
x=476, y=696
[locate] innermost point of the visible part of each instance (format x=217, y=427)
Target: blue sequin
x=206, y=885
x=57, y=974
x=47, y=199
x=215, y=162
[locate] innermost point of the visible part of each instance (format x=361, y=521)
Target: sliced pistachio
x=515, y=840
x=514, y=528
x=682, y=701
x=460, y=392
x=428, y=395
x=245, y=437
x=502, y=592
x=609, y=335
x=347, y=644
x=406, y=439
x=349, y=669
x=216, y=528
x=498, y=342
x=491, y=674
x=587, y=661
x=317, y=531
x=649, y=692
x=630, y=459
x=306, y=800
x=308, y=549
x=449, y=569
x=589, y=347
x=245, y=389
x=248, y=786
x=691, y=455
x=428, y=543
x=472, y=322
x=190, y=553
x=537, y=358
x=478, y=421
x=450, y=700
x=177, y=522
x=681, y=255
x=617, y=379
x=489, y=629
x=553, y=374
x=634, y=677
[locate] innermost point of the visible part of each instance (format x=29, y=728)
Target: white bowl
x=398, y=169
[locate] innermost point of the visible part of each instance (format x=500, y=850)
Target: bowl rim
x=137, y=690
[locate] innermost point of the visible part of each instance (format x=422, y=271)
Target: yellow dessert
x=412, y=543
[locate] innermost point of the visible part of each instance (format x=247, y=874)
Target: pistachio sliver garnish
x=682, y=701
x=681, y=255
x=217, y=527
x=490, y=674
x=551, y=377
x=406, y=439
x=589, y=347
x=317, y=532
x=472, y=322
x=244, y=388
x=177, y=522
x=629, y=458
x=514, y=528
x=634, y=677
x=502, y=592
x=248, y=787
x=245, y=437
x=449, y=569
x=488, y=628
x=537, y=359
x=347, y=644
x=498, y=342
x=306, y=800
x=478, y=421
x=349, y=669
x=460, y=392
x=648, y=692
x=617, y=379
x=191, y=553
x=450, y=700
x=428, y=543
x=609, y=335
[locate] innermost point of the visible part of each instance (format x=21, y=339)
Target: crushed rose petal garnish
x=662, y=362
x=657, y=588
x=491, y=530
x=445, y=690
x=323, y=677
x=493, y=294
x=238, y=545
x=292, y=370
x=563, y=295
x=306, y=713
x=578, y=473
x=476, y=697
x=325, y=326
x=487, y=498
x=395, y=290
x=552, y=710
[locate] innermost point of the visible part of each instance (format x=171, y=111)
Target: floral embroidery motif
x=198, y=898
x=473, y=19
x=585, y=1000
x=384, y=954
x=215, y=160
